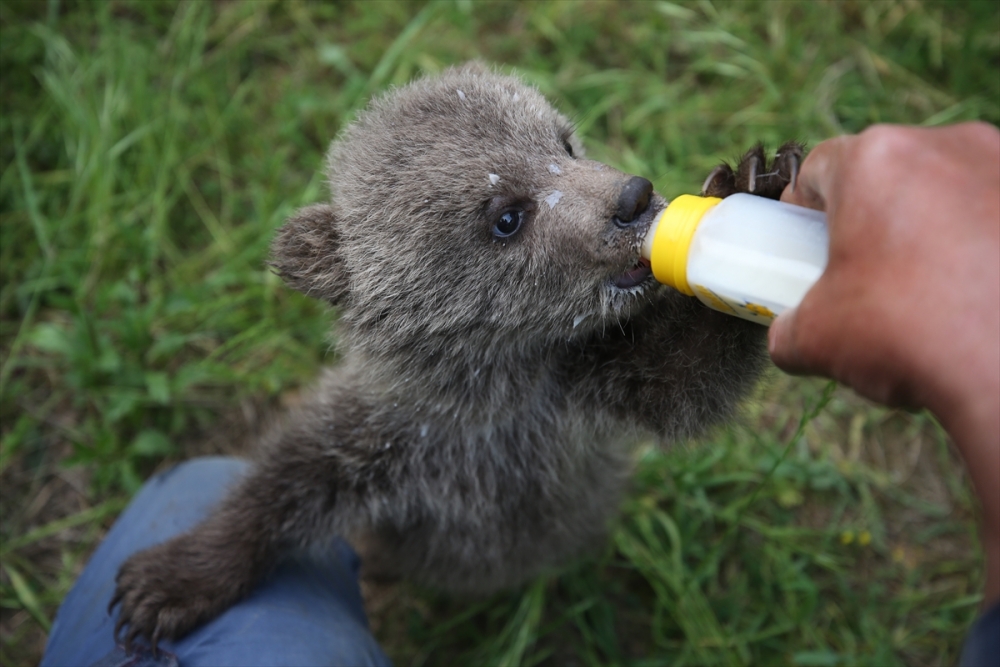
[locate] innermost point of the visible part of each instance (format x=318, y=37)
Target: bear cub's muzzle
x=633, y=212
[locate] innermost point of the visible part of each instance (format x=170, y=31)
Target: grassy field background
x=148, y=151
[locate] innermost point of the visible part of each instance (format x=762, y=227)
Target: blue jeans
x=308, y=612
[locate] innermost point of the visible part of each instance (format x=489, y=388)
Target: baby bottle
x=743, y=255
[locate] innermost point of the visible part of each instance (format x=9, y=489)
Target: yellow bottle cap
x=672, y=239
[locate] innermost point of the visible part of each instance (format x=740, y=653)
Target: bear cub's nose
x=633, y=200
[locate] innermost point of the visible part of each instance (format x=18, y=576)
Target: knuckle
x=981, y=132
x=978, y=126
x=881, y=141
x=886, y=153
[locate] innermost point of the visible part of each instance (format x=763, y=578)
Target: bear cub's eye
x=568, y=147
x=508, y=223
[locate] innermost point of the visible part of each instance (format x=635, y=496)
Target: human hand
x=908, y=309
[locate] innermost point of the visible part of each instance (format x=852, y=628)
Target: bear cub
x=502, y=347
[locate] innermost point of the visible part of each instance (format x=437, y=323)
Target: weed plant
x=148, y=151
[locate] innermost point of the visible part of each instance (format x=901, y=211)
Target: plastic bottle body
x=747, y=256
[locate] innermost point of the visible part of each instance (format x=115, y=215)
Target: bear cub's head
x=464, y=209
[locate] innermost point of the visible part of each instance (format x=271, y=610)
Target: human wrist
x=971, y=416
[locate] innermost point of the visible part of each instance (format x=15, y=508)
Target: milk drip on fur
x=743, y=255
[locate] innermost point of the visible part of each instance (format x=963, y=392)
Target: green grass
x=149, y=149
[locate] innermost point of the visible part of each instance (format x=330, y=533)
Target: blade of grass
x=26, y=595
x=96, y=513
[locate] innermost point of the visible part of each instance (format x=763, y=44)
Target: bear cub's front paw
x=755, y=174
x=165, y=591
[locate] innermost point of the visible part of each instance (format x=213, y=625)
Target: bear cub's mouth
x=636, y=275
x=640, y=275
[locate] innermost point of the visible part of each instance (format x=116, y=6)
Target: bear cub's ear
x=306, y=254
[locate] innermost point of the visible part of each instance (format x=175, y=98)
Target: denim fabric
x=982, y=646
x=308, y=612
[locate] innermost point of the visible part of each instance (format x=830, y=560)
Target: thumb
x=781, y=342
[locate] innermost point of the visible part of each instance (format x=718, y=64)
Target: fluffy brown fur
x=478, y=427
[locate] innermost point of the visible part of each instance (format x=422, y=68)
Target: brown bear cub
x=502, y=347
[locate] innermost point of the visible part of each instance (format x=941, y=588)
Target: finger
x=784, y=345
x=780, y=343
x=818, y=174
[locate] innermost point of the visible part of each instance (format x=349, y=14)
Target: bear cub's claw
x=755, y=174
x=163, y=593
